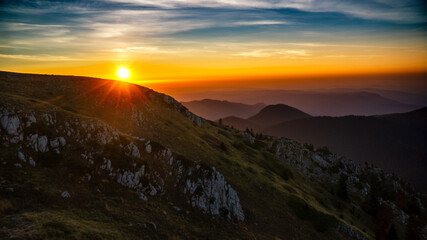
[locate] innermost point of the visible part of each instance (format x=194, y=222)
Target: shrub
x=320, y=221
x=342, y=187
x=271, y=163
x=238, y=145
x=223, y=147
x=56, y=229
x=48, y=159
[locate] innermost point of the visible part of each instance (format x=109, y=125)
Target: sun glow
x=123, y=73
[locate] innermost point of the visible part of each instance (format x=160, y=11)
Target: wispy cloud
x=143, y=50
x=405, y=10
x=253, y=23
x=261, y=53
x=44, y=57
x=294, y=29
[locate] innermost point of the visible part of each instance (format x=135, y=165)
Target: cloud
x=262, y=53
x=143, y=50
x=44, y=57
x=410, y=11
x=245, y=28
x=254, y=23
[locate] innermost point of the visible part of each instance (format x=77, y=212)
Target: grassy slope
x=267, y=196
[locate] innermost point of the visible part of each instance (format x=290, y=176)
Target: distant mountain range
x=403, y=97
x=396, y=142
x=214, y=109
x=337, y=102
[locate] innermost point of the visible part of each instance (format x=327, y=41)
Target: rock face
x=349, y=232
x=213, y=195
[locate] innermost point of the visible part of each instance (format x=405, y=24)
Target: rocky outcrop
x=208, y=192
x=213, y=195
x=349, y=232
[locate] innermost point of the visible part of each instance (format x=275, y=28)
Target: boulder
x=65, y=194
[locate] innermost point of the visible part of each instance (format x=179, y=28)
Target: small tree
x=342, y=187
x=223, y=147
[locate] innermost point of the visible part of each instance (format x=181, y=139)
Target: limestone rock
x=62, y=141
x=350, y=232
x=42, y=144
x=142, y=196
x=21, y=156
x=214, y=195
x=32, y=162
x=148, y=148
x=54, y=143
x=11, y=124
x=65, y=194
x=133, y=150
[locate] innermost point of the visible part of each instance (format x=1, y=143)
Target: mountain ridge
x=219, y=109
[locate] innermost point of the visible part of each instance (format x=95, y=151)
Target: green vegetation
x=320, y=221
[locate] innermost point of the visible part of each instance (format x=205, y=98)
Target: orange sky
x=222, y=44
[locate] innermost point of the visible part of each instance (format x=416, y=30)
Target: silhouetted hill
x=215, y=109
x=417, y=117
x=274, y=114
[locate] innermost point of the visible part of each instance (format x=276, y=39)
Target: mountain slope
x=396, y=142
x=86, y=158
x=215, y=109
x=240, y=123
x=417, y=117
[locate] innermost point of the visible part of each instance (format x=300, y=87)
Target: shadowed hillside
x=396, y=142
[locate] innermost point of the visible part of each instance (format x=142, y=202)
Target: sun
x=123, y=73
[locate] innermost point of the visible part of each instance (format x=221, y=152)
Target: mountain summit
x=274, y=114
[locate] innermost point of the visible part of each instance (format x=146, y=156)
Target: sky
x=186, y=43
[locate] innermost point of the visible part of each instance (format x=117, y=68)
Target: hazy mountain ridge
x=319, y=103
x=134, y=171
x=215, y=109
x=400, y=96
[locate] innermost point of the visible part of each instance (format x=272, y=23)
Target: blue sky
x=34, y=32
